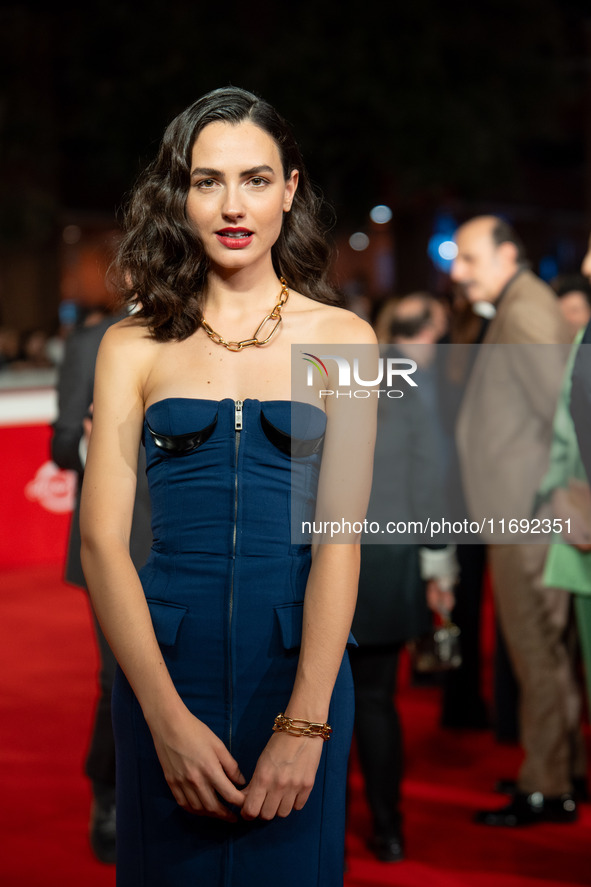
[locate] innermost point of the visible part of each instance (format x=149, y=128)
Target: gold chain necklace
x=275, y=315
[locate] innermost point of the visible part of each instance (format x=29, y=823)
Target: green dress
x=566, y=566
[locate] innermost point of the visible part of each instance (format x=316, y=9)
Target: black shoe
x=529, y=810
x=387, y=849
x=102, y=832
x=580, y=792
x=506, y=786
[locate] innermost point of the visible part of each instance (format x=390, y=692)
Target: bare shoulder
x=128, y=332
x=128, y=338
x=127, y=354
x=331, y=324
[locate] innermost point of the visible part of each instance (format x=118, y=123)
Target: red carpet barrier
x=36, y=497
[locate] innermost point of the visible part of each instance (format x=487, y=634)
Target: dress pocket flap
x=166, y=619
x=290, y=618
x=290, y=623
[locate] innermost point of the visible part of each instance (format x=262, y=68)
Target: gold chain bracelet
x=300, y=727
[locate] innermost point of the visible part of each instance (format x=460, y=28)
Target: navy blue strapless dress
x=225, y=588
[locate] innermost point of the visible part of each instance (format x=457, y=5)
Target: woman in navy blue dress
x=233, y=703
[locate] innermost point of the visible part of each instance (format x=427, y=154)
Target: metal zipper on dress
x=238, y=406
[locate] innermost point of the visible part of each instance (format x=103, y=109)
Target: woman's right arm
x=195, y=762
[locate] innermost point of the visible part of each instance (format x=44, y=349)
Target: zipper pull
x=238, y=415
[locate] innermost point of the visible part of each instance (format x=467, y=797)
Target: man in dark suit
x=504, y=432
x=398, y=581
x=68, y=450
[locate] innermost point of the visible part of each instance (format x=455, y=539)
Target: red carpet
x=47, y=681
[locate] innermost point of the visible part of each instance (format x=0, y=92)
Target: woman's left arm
x=286, y=770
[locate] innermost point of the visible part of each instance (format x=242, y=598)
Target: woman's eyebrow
x=217, y=173
x=257, y=170
x=207, y=171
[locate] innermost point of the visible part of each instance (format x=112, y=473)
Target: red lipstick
x=234, y=238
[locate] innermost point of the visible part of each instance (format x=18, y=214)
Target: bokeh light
x=448, y=250
x=442, y=251
x=71, y=234
x=380, y=214
x=359, y=241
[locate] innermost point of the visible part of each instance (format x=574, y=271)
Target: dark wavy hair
x=161, y=265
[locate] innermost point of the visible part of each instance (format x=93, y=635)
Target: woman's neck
x=241, y=292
